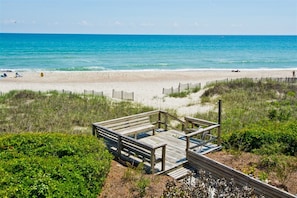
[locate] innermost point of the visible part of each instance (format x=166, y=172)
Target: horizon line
x=134, y=34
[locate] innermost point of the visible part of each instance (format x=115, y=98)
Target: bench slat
x=130, y=125
x=114, y=132
x=131, y=131
x=122, y=121
x=131, y=117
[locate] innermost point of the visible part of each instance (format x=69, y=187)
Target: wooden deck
x=164, y=150
x=176, y=146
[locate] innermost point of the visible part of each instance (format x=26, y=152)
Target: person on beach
x=17, y=75
x=294, y=74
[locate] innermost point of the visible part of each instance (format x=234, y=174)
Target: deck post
x=119, y=146
x=186, y=125
x=163, y=157
x=187, y=146
x=219, y=122
x=166, y=120
x=159, y=120
x=153, y=161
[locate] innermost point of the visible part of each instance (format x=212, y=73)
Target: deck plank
x=175, y=149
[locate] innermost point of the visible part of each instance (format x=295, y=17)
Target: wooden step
x=180, y=173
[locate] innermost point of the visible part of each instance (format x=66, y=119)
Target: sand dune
x=146, y=85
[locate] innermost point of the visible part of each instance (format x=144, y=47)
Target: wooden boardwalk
x=163, y=150
x=173, y=152
x=175, y=148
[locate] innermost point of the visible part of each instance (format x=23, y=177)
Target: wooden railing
x=164, y=119
x=195, y=127
x=203, y=133
x=219, y=170
x=125, y=147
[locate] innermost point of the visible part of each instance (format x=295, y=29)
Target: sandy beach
x=146, y=85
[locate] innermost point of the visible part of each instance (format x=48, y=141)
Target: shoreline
x=152, y=70
x=147, y=86
x=131, y=75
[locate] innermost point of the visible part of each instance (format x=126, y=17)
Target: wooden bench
x=130, y=125
x=127, y=148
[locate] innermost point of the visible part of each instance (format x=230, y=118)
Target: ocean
x=75, y=52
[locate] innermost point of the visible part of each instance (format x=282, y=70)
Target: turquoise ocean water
x=70, y=52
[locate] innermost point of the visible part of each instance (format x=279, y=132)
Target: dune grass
x=258, y=117
x=28, y=111
x=185, y=93
x=260, y=106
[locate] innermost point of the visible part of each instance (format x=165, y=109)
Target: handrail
x=199, y=121
x=171, y=116
x=123, y=140
x=202, y=130
x=199, y=131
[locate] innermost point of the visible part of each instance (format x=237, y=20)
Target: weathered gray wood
x=164, y=150
x=175, y=146
x=134, y=130
x=219, y=170
x=123, y=145
x=150, y=113
x=202, y=130
x=199, y=121
x=131, y=125
x=179, y=173
x=125, y=121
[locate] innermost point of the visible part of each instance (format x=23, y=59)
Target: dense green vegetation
x=23, y=111
x=256, y=114
x=52, y=165
x=259, y=117
x=43, y=163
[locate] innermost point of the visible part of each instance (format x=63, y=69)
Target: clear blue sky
x=150, y=16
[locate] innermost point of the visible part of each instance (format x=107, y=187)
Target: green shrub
x=258, y=116
x=52, y=165
x=247, y=140
x=270, y=149
x=269, y=139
